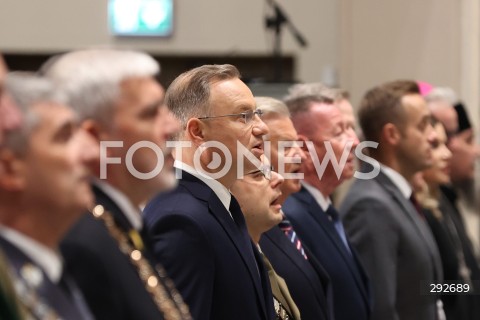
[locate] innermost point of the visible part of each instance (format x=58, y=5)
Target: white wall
x=402, y=39
x=202, y=27
x=430, y=40
x=366, y=41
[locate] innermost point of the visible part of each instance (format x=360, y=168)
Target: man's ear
x=12, y=171
x=196, y=131
x=94, y=129
x=303, y=139
x=307, y=163
x=391, y=134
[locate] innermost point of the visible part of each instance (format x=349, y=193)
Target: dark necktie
x=337, y=223
x=287, y=228
x=416, y=205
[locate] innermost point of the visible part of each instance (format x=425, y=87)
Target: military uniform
x=9, y=304
x=113, y=266
x=44, y=291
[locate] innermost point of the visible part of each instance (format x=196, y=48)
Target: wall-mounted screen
x=141, y=17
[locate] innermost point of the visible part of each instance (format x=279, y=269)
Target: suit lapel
x=320, y=216
x=411, y=213
x=277, y=237
x=352, y=261
x=201, y=191
x=109, y=204
x=46, y=290
x=122, y=222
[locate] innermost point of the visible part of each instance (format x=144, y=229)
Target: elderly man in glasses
x=198, y=229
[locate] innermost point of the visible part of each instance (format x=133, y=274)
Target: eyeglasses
x=266, y=170
x=246, y=116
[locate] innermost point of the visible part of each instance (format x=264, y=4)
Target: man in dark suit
x=198, y=229
x=380, y=214
x=307, y=281
x=322, y=126
x=43, y=191
x=121, y=106
x=258, y=194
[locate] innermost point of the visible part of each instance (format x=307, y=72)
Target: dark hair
x=382, y=105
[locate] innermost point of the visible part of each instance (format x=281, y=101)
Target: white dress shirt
x=132, y=212
x=220, y=190
x=398, y=180
x=323, y=202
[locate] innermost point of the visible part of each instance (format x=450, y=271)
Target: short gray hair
x=301, y=96
x=272, y=107
x=311, y=89
x=442, y=94
x=189, y=94
x=27, y=90
x=91, y=78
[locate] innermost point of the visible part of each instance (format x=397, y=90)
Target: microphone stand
x=276, y=22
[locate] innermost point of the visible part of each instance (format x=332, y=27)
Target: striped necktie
x=287, y=228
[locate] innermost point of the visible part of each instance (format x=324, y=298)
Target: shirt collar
x=398, y=180
x=47, y=259
x=131, y=212
x=323, y=202
x=220, y=190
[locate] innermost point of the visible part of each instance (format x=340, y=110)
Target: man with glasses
x=257, y=193
x=198, y=229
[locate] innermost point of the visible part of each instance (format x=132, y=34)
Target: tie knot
x=236, y=212
x=416, y=204
x=332, y=213
x=285, y=224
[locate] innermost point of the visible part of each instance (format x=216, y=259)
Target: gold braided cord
x=31, y=304
x=280, y=312
x=173, y=308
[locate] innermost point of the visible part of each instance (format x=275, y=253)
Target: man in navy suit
x=307, y=280
x=43, y=191
x=198, y=229
x=258, y=193
x=324, y=131
x=382, y=218
x=121, y=105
